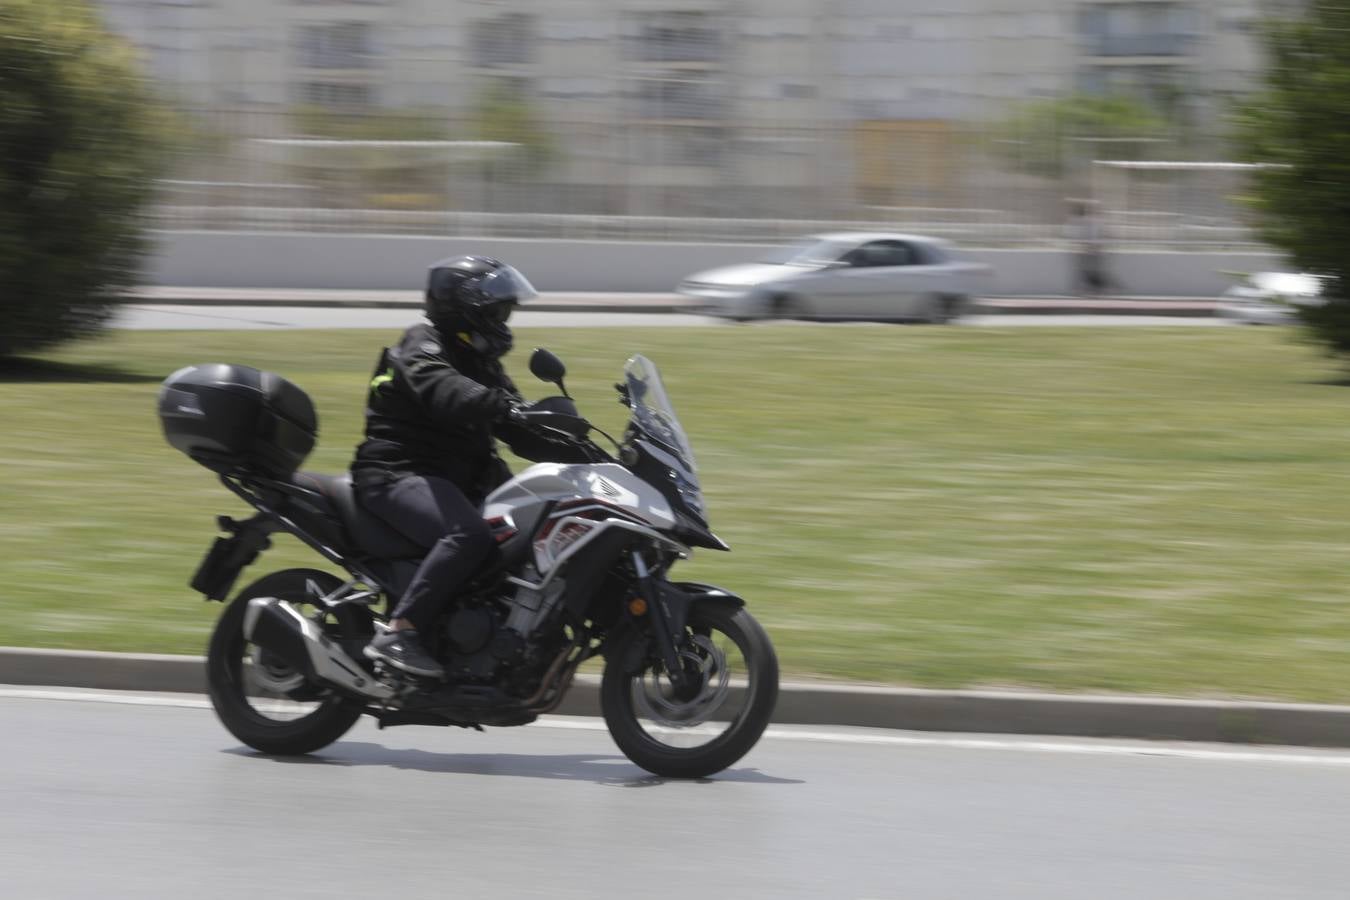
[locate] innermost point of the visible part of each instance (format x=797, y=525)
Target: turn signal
x=637, y=606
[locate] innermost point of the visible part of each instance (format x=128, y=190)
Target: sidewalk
x=557, y=301
x=821, y=703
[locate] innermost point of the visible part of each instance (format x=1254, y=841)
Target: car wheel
x=786, y=306
x=942, y=309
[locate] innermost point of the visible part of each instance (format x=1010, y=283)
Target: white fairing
x=608, y=483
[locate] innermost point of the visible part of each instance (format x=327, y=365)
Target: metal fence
x=677, y=179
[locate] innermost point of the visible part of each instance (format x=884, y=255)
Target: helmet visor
x=504, y=286
x=492, y=313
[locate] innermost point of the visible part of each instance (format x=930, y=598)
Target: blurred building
x=680, y=107
x=758, y=59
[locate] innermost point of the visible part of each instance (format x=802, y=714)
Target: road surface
x=150, y=317
x=145, y=796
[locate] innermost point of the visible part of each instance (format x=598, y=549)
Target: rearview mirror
x=547, y=367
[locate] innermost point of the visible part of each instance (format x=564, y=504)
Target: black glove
x=515, y=413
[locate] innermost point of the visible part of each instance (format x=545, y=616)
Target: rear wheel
x=717, y=719
x=262, y=700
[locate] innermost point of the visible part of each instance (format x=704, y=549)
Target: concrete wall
x=391, y=262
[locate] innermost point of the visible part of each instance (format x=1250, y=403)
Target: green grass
x=1141, y=510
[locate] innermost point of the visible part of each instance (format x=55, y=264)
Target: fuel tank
x=521, y=499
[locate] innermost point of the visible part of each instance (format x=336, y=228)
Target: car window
x=930, y=254
x=882, y=253
x=806, y=253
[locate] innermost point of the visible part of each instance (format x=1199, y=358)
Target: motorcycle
x=582, y=570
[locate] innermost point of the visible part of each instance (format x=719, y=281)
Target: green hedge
x=79, y=138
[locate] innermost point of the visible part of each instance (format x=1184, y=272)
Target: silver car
x=1270, y=298
x=848, y=275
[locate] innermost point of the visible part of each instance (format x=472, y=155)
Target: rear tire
x=228, y=676
x=619, y=690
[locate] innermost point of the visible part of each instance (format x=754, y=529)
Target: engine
x=484, y=635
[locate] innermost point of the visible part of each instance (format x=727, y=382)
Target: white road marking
x=124, y=698
x=874, y=737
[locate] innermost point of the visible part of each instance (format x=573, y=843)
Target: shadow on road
x=607, y=769
x=42, y=371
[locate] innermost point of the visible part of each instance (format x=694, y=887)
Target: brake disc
x=657, y=700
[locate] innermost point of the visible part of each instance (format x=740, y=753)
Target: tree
x=79, y=139
x=384, y=178
x=1050, y=137
x=504, y=113
x=1299, y=127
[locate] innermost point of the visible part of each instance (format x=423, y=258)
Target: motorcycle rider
x=437, y=402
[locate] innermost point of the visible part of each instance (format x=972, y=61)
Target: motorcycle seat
x=366, y=531
x=376, y=537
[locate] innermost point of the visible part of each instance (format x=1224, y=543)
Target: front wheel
x=713, y=722
x=264, y=701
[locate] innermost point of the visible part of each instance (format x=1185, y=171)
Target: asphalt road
x=156, y=317
x=145, y=796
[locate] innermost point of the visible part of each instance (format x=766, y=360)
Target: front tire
x=651, y=725
x=246, y=686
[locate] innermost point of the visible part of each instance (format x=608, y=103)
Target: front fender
x=679, y=596
x=708, y=593
x=675, y=600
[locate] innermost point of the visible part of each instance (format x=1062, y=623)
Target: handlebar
x=569, y=428
x=572, y=426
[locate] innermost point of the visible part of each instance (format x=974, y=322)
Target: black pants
x=435, y=514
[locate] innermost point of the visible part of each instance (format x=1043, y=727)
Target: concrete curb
x=1172, y=308
x=821, y=704
x=339, y=302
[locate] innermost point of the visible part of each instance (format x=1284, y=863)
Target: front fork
x=667, y=611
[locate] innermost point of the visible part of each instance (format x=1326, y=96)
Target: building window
x=336, y=95
x=673, y=37
x=683, y=146
x=678, y=95
x=1137, y=29
x=343, y=45
x=502, y=41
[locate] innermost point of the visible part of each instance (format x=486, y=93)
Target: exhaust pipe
x=279, y=628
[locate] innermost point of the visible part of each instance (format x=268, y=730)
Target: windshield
x=812, y=252
x=652, y=411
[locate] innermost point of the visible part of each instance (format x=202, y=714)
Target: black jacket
x=434, y=409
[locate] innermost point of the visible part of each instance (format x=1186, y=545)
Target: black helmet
x=471, y=297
